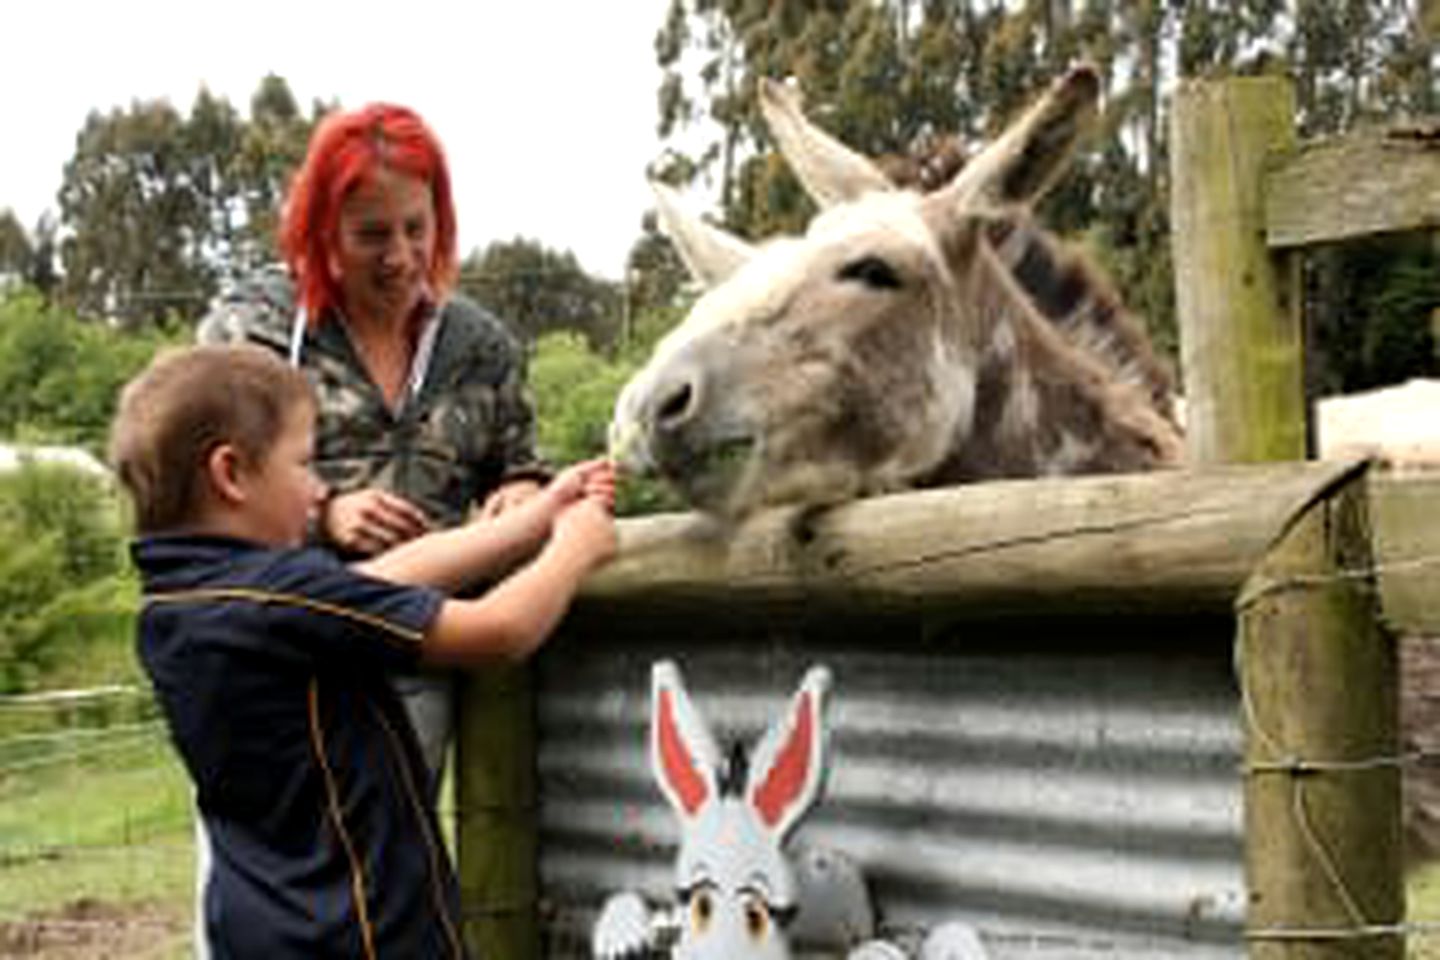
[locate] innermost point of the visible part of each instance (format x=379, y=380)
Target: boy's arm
x=514, y=618
x=452, y=559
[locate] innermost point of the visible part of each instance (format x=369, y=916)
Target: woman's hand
x=371, y=521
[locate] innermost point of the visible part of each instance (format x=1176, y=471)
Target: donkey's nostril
x=676, y=406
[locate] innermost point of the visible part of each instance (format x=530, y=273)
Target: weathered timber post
x=1241, y=335
x=1317, y=678
x=1318, y=682
x=495, y=784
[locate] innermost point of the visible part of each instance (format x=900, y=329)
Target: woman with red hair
x=422, y=412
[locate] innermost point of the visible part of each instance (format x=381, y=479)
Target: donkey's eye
x=871, y=271
x=757, y=918
x=702, y=909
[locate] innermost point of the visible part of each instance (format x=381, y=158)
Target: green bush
x=66, y=595
x=79, y=509
x=60, y=376
x=574, y=390
x=1370, y=306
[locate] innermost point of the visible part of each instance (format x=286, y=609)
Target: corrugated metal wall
x=1070, y=788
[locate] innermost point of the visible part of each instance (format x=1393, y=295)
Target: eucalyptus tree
x=537, y=290
x=133, y=216
x=15, y=248
x=158, y=207
x=271, y=146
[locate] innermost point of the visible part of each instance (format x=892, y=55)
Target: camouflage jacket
x=468, y=428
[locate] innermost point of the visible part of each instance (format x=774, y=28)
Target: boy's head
x=205, y=427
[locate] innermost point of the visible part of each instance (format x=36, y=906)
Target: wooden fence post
x=1241, y=334
x=497, y=797
x=1317, y=676
x=1318, y=680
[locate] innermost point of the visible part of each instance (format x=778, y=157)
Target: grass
x=96, y=829
x=95, y=834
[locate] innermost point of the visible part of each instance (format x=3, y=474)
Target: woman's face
x=385, y=244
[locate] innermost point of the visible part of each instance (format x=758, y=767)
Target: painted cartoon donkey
x=911, y=338
x=741, y=892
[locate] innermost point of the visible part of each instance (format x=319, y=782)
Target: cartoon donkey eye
x=702, y=909
x=757, y=917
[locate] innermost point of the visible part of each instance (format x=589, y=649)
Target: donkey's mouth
x=628, y=448
x=707, y=475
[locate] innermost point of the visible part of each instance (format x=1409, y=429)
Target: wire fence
x=96, y=841
x=97, y=827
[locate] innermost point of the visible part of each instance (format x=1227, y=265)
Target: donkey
x=900, y=342
x=741, y=892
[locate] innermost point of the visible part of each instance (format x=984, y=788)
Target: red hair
x=346, y=149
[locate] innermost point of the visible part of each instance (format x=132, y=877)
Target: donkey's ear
x=1024, y=163
x=683, y=755
x=709, y=253
x=830, y=172
x=789, y=762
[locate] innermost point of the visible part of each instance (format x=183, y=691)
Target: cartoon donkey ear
x=683, y=755
x=789, y=762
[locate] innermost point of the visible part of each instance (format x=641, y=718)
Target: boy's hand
x=585, y=526
x=589, y=478
x=600, y=485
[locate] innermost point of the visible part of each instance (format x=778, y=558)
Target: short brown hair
x=181, y=407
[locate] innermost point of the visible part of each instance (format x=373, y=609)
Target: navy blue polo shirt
x=270, y=666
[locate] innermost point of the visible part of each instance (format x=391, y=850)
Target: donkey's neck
x=1042, y=407
x=1080, y=304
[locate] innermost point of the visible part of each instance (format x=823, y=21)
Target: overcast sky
x=569, y=85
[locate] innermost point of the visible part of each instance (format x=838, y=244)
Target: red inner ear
x=675, y=760
x=787, y=775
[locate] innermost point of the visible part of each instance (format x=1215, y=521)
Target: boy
x=269, y=660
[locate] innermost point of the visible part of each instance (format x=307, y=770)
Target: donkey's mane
x=1082, y=304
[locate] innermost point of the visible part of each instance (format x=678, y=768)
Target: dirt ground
x=91, y=930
